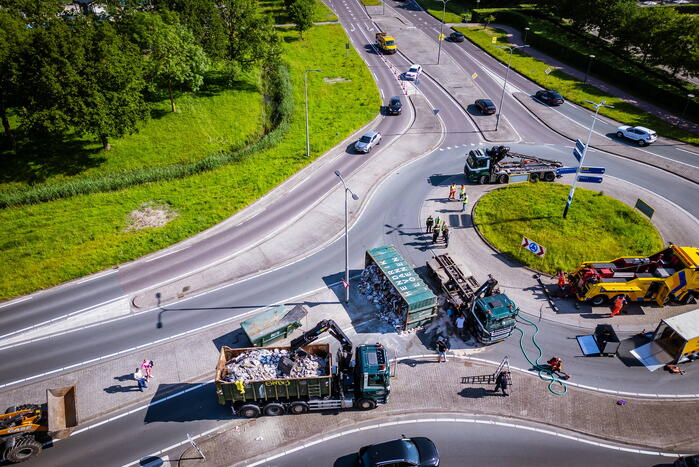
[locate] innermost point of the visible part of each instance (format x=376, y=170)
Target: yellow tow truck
x=386, y=43
x=669, y=275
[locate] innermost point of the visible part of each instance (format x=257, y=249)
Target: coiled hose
x=544, y=371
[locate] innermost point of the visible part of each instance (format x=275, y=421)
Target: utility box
x=274, y=324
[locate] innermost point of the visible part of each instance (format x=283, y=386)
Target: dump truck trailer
x=490, y=314
x=24, y=428
x=497, y=164
x=362, y=384
x=671, y=275
x=679, y=336
x=386, y=43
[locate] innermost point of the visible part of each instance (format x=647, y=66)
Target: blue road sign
x=577, y=154
x=566, y=170
x=579, y=145
x=592, y=170
x=586, y=179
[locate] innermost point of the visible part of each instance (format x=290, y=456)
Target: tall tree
x=14, y=37
x=301, y=13
x=251, y=38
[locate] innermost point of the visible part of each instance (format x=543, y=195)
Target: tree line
x=660, y=36
x=91, y=71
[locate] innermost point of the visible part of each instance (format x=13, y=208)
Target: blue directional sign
x=579, y=145
x=586, y=179
x=577, y=154
x=592, y=170
x=566, y=170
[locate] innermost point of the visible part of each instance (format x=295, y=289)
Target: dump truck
x=24, y=428
x=491, y=166
x=402, y=292
x=490, y=315
x=386, y=43
x=670, y=275
x=362, y=384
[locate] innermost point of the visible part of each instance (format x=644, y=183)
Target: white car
x=369, y=140
x=642, y=135
x=413, y=73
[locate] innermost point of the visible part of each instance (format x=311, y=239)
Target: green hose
x=544, y=371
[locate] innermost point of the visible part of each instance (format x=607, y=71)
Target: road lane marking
x=14, y=302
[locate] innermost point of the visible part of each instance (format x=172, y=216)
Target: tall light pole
x=507, y=74
x=689, y=99
x=582, y=156
x=441, y=29
x=526, y=31
x=589, y=64
x=354, y=197
x=305, y=93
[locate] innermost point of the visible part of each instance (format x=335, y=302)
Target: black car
x=404, y=452
x=456, y=37
x=395, y=106
x=549, y=97
x=689, y=461
x=485, y=106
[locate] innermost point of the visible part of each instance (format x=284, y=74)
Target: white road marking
x=165, y=254
x=97, y=276
x=14, y=302
x=689, y=152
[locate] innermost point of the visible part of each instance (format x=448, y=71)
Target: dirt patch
x=339, y=79
x=149, y=215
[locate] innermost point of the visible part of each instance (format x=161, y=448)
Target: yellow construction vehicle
x=25, y=428
x=669, y=275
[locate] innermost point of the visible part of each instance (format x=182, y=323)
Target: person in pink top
x=147, y=366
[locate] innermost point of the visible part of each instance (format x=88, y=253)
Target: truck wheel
x=274, y=409
x=502, y=179
x=534, y=178
x=598, y=300
x=249, y=411
x=297, y=408
x=549, y=176
x=366, y=404
x=483, y=179
x=24, y=449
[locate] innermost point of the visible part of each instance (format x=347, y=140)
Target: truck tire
x=502, y=179
x=24, y=449
x=549, y=176
x=598, y=300
x=534, y=177
x=366, y=404
x=298, y=408
x=483, y=179
x=274, y=409
x=249, y=411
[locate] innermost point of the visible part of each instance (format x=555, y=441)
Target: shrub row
x=565, y=45
x=277, y=89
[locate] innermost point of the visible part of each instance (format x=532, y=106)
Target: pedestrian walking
x=619, y=303
x=460, y=322
x=147, y=367
x=441, y=349
x=452, y=191
x=445, y=234
x=140, y=379
x=435, y=235
x=462, y=191
x=464, y=202
x=501, y=382
x=429, y=223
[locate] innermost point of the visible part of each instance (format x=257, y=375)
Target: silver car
x=368, y=141
x=641, y=135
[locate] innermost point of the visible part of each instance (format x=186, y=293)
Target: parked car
x=642, y=135
x=413, y=73
x=418, y=452
x=549, y=97
x=485, y=106
x=395, y=106
x=368, y=141
x=689, y=461
x=456, y=36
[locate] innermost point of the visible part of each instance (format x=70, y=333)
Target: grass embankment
x=275, y=8
x=597, y=227
x=49, y=243
x=454, y=12
x=571, y=88
x=205, y=122
x=371, y=2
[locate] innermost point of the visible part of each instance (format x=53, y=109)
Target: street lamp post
x=589, y=64
x=526, y=31
x=354, y=197
x=305, y=92
x=689, y=99
x=441, y=29
x=582, y=156
x=507, y=74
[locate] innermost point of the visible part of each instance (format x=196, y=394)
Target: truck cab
x=372, y=376
x=477, y=165
x=494, y=318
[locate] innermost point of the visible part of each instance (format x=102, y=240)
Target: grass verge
x=597, y=226
x=454, y=13
x=371, y=2
x=276, y=9
x=49, y=243
x=572, y=89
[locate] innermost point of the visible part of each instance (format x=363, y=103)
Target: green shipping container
x=421, y=302
x=274, y=324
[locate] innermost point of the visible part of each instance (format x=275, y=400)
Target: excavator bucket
x=62, y=411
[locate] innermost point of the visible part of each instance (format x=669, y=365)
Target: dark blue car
x=404, y=452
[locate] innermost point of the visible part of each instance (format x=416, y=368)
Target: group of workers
x=463, y=197
x=618, y=302
x=436, y=226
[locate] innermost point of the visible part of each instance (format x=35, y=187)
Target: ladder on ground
x=490, y=379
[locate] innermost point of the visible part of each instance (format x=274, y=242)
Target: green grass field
x=205, y=123
x=453, y=14
x=597, y=227
x=279, y=16
x=46, y=244
x=572, y=89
